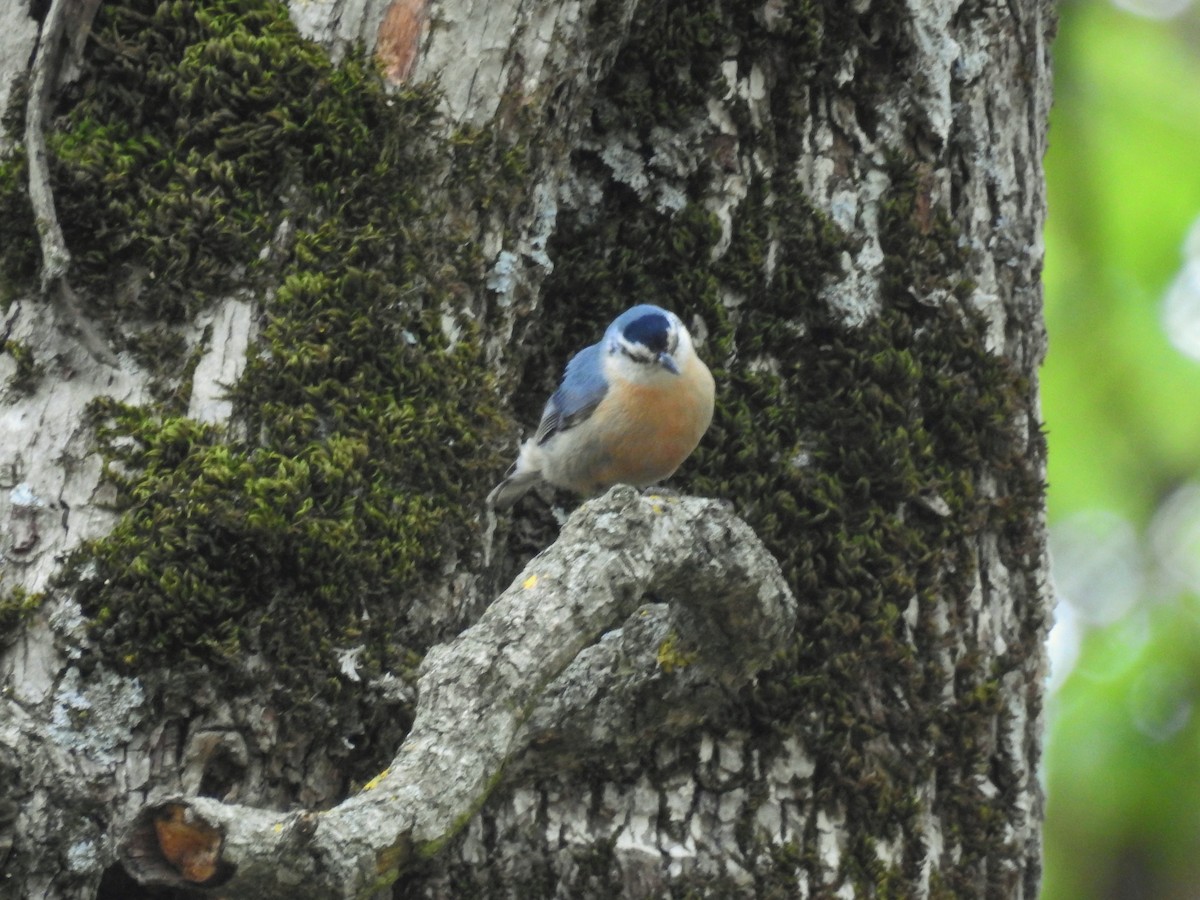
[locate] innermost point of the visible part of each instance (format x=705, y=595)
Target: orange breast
x=656, y=429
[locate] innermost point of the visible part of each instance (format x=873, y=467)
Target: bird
x=628, y=410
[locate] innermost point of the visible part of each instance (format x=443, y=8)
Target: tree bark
x=526, y=672
x=253, y=632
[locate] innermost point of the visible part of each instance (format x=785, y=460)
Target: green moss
x=663, y=73
x=19, y=250
x=16, y=608
x=491, y=166
x=857, y=456
x=363, y=437
x=921, y=248
x=162, y=351
x=29, y=371
x=341, y=490
x=881, y=418
x=906, y=408
x=170, y=159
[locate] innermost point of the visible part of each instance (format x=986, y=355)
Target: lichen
x=670, y=657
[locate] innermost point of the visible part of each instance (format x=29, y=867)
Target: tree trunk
x=275, y=311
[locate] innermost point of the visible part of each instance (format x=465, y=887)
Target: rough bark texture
x=331, y=304
x=528, y=671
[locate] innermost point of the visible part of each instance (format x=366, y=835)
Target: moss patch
x=28, y=372
x=869, y=460
x=294, y=541
x=858, y=460
x=170, y=155
x=19, y=250
x=16, y=608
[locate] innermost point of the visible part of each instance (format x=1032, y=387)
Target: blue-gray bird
x=629, y=410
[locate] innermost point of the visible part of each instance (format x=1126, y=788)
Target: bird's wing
x=583, y=387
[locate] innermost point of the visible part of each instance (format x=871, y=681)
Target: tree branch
x=677, y=590
x=56, y=258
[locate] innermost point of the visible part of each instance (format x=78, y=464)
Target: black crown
x=651, y=330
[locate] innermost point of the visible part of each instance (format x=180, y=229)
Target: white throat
x=619, y=365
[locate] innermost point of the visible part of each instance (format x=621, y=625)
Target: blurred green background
x=1121, y=399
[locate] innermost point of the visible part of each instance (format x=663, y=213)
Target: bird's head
x=650, y=336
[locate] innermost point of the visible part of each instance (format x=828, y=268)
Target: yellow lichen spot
x=529, y=582
x=277, y=827
x=658, y=502
x=670, y=657
x=374, y=782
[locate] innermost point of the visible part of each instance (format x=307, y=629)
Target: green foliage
x=1124, y=189
x=1124, y=757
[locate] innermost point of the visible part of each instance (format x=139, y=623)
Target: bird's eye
x=637, y=352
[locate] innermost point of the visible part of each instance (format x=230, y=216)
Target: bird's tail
x=513, y=488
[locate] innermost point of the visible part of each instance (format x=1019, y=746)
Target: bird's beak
x=667, y=361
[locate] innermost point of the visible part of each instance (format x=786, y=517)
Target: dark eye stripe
x=638, y=353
